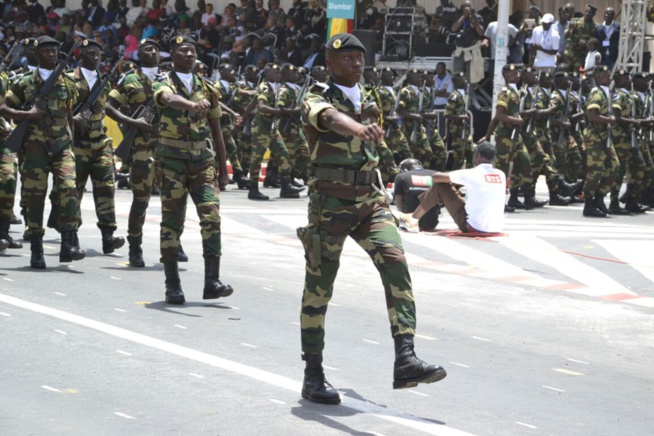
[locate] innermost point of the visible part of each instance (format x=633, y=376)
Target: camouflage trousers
x=298, y=152
x=631, y=159
x=37, y=163
x=508, y=151
x=461, y=150
x=602, y=165
x=541, y=162
x=8, y=175
x=231, y=150
x=637, y=189
x=387, y=166
x=141, y=176
x=438, y=150
x=370, y=223
x=419, y=143
x=398, y=143
x=243, y=147
x=567, y=155
x=262, y=139
x=94, y=158
x=177, y=180
x=575, y=59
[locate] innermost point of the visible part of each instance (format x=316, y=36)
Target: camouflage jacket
x=184, y=125
x=543, y=101
x=5, y=126
x=132, y=91
x=456, y=105
x=241, y=100
x=558, y=100
x=509, y=99
x=579, y=30
x=625, y=100
x=54, y=127
x=287, y=100
x=410, y=100
x=598, y=100
x=97, y=110
x=331, y=149
x=387, y=97
x=228, y=91
x=269, y=94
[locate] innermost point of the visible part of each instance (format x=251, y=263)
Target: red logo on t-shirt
x=421, y=180
x=492, y=178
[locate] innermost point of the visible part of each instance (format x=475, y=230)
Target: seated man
x=409, y=185
x=485, y=192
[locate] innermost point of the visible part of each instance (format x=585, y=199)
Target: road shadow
x=155, y=267
x=178, y=309
x=58, y=268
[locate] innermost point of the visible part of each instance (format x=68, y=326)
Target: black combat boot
x=37, y=261
x=289, y=191
x=181, y=256
x=591, y=210
x=530, y=200
x=53, y=218
x=569, y=189
x=241, y=180
x=4, y=235
x=272, y=177
x=557, y=199
x=70, y=250
x=598, y=201
x=409, y=370
x=254, y=193
x=633, y=206
x=4, y=244
x=213, y=287
x=16, y=221
x=514, y=202
x=315, y=386
x=615, y=209
x=174, y=293
x=135, y=252
x=109, y=243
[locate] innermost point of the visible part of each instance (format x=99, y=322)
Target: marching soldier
x=190, y=144
x=93, y=149
x=458, y=122
x=47, y=147
x=244, y=104
x=412, y=119
x=639, y=192
x=341, y=123
x=265, y=134
x=431, y=124
x=602, y=164
x=319, y=73
x=394, y=137
x=135, y=91
x=293, y=135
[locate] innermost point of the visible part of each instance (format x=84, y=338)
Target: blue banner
x=340, y=9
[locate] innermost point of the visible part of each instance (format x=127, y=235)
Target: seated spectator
x=258, y=54
x=483, y=209
x=123, y=28
x=316, y=19
x=134, y=12
x=409, y=185
x=273, y=28
x=208, y=13
x=276, y=12
x=157, y=12
x=228, y=13
x=291, y=54
x=260, y=16
x=151, y=30
x=131, y=45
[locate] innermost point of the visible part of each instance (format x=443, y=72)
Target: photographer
x=467, y=58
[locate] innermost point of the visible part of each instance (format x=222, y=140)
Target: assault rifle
x=564, y=116
x=298, y=101
x=466, y=125
x=609, y=128
x=85, y=107
x=15, y=140
x=7, y=60
x=393, y=111
x=521, y=109
x=634, y=134
x=414, y=133
x=275, y=121
x=123, y=150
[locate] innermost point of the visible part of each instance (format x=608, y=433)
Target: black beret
x=529, y=70
x=621, y=72
x=592, y=7
x=535, y=7
x=288, y=67
x=459, y=75
x=272, y=66
x=301, y=70
x=561, y=74
x=511, y=67
x=345, y=42
x=147, y=41
x=546, y=75
x=176, y=41
x=318, y=68
x=252, y=68
x=201, y=66
x=89, y=43
x=371, y=69
x=602, y=69
x=389, y=69
x=414, y=71
x=43, y=41
x=30, y=42
x=642, y=76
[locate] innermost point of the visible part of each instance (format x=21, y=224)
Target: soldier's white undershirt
x=45, y=73
x=90, y=76
x=187, y=80
x=150, y=73
x=353, y=94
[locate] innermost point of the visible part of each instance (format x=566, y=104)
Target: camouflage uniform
x=387, y=165
x=461, y=147
x=628, y=156
x=8, y=165
x=340, y=207
x=568, y=157
x=243, y=144
x=419, y=143
x=541, y=162
x=228, y=91
x=47, y=147
x=94, y=156
x=512, y=150
x=296, y=142
x=602, y=165
x=435, y=141
x=574, y=55
x=633, y=187
x=395, y=138
x=264, y=136
x=133, y=91
x=185, y=166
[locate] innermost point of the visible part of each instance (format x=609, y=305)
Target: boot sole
x=208, y=296
x=115, y=246
x=306, y=396
x=37, y=265
x=176, y=301
x=71, y=259
x=137, y=264
x=433, y=377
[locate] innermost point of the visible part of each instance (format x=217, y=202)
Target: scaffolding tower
x=632, y=35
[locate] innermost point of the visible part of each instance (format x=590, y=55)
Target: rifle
x=15, y=140
x=275, y=120
x=530, y=124
x=124, y=149
x=634, y=135
x=247, y=127
x=393, y=111
x=464, y=130
x=298, y=101
x=421, y=100
x=564, y=116
x=609, y=128
x=429, y=127
x=84, y=107
x=7, y=60
x=521, y=108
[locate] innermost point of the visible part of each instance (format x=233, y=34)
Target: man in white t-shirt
x=545, y=42
x=485, y=193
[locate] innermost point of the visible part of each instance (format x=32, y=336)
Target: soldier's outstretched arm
x=331, y=119
x=112, y=112
x=219, y=148
x=15, y=114
x=180, y=103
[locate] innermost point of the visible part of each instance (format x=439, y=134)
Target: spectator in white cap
x=545, y=44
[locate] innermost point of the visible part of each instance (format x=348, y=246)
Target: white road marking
x=460, y=364
x=61, y=331
x=115, y=278
x=567, y=371
x=578, y=361
x=48, y=388
x=119, y=310
x=334, y=304
x=276, y=401
x=429, y=338
x=192, y=374
x=248, y=345
x=268, y=289
x=553, y=389
x=181, y=326
x=7, y=279
x=295, y=323
x=331, y=368
x=124, y=415
x=4, y=314
x=481, y=339
x=525, y=425
x=371, y=342
x=631, y=254
x=59, y=293
x=233, y=307
x=397, y=417
x=417, y=393
x=123, y=352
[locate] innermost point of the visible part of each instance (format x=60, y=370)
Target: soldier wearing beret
x=389, y=96
x=602, y=164
x=458, y=122
x=578, y=33
x=93, y=149
x=431, y=117
x=319, y=73
x=244, y=104
x=628, y=151
x=412, y=119
x=47, y=147
x=189, y=151
x=342, y=129
x=135, y=91
x=645, y=191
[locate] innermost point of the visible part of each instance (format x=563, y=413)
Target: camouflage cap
x=345, y=42
x=178, y=40
x=89, y=43
x=44, y=41
x=147, y=41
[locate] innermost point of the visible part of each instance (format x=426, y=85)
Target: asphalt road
x=546, y=331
